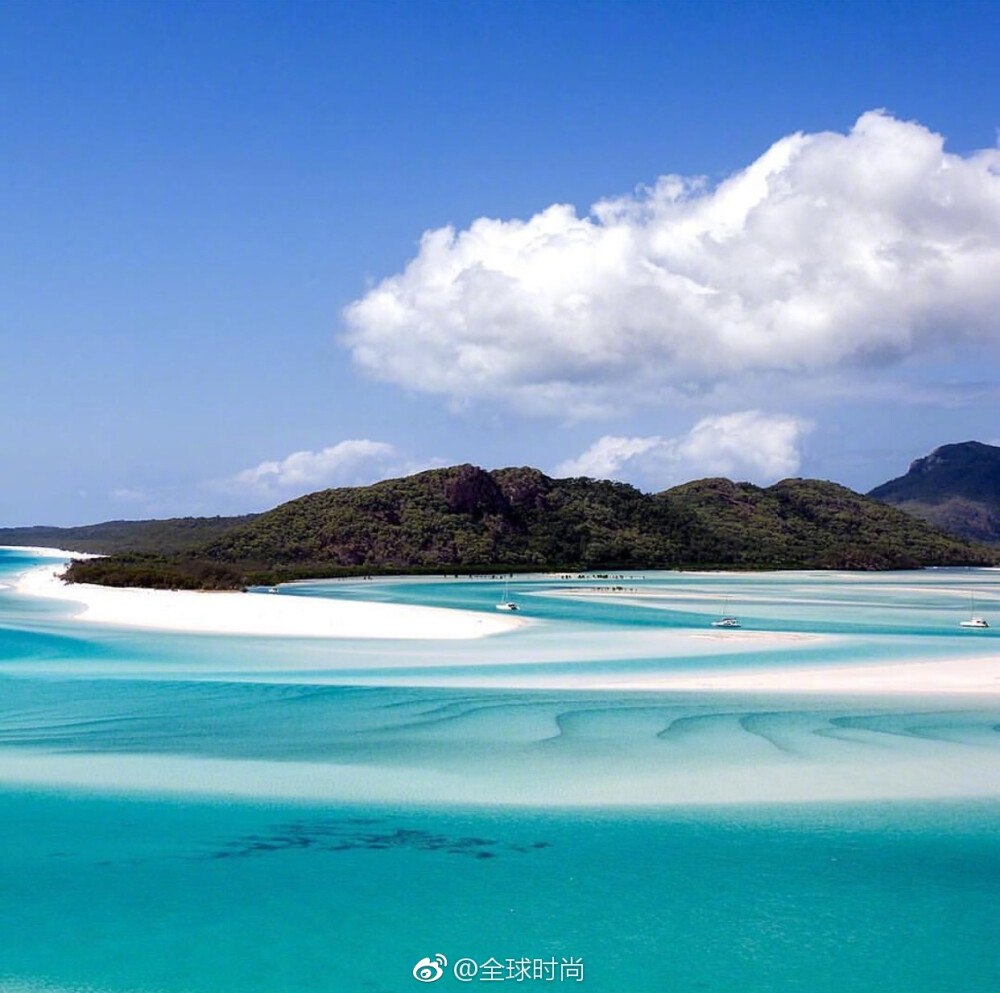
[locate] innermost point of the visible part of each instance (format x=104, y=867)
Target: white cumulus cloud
x=747, y=445
x=829, y=251
x=354, y=462
x=129, y=494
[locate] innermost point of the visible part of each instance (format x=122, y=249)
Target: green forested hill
x=464, y=519
x=166, y=536
x=808, y=523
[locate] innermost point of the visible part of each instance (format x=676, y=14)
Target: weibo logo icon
x=429, y=970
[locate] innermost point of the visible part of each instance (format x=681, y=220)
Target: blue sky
x=216, y=291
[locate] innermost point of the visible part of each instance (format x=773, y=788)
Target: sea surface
x=215, y=814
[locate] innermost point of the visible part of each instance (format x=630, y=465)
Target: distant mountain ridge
x=956, y=488
x=166, y=536
x=465, y=519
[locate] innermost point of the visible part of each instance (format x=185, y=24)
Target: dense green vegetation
x=183, y=571
x=809, y=524
x=955, y=488
x=167, y=537
x=464, y=519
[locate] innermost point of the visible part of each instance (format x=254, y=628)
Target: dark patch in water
x=350, y=835
x=533, y=847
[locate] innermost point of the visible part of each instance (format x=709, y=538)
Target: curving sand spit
x=260, y=613
x=42, y=551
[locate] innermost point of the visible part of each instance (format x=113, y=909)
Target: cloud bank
x=748, y=445
x=829, y=251
x=355, y=462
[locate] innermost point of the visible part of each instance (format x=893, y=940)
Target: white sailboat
x=506, y=603
x=726, y=620
x=974, y=621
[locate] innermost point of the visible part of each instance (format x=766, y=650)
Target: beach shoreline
x=259, y=614
x=51, y=553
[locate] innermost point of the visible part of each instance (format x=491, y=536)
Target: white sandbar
x=929, y=770
x=958, y=675
x=260, y=613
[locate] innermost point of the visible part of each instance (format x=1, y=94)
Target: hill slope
x=812, y=524
x=176, y=534
x=955, y=488
x=464, y=519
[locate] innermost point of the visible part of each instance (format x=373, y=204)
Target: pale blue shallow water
x=183, y=814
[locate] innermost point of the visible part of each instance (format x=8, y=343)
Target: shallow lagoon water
x=182, y=814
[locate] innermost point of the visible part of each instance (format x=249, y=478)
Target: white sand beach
x=260, y=613
x=48, y=553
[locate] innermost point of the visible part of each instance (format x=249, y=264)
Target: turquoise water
x=184, y=814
